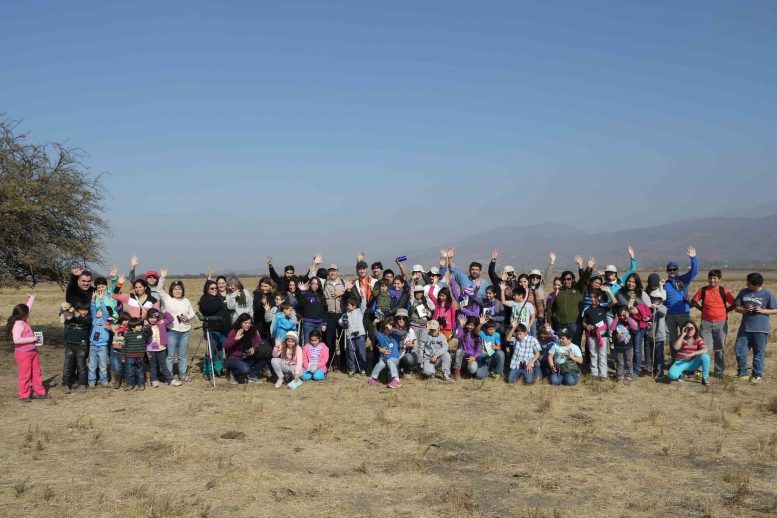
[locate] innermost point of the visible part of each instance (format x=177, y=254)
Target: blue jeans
x=637, y=339
x=308, y=327
x=117, y=367
x=246, y=367
x=157, y=366
x=745, y=342
x=556, y=378
x=98, y=358
x=495, y=363
x=392, y=364
x=656, y=349
x=692, y=365
x=357, y=354
x=319, y=375
x=516, y=374
x=135, y=372
x=178, y=343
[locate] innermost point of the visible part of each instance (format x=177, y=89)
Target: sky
x=227, y=132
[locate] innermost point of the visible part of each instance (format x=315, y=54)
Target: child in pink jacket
x=314, y=358
x=25, y=352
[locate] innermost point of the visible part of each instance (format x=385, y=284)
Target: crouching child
x=436, y=353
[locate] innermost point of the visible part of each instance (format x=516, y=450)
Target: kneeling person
x=436, y=352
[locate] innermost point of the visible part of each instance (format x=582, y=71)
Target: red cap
x=150, y=273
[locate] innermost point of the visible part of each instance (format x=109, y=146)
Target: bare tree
x=50, y=210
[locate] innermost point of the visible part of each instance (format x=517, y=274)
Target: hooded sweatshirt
x=435, y=346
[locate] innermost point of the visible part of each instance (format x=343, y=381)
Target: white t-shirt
x=526, y=311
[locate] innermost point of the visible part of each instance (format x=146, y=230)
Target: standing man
x=755, y=304
x=473, y=281
x=362, y=288
x=678, y=309
x=79, y=289
x=715, y=302
x=334, y=288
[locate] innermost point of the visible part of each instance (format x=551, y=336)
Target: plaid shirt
x=524, y=350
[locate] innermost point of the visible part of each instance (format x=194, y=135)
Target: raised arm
x=691, y=274
x=632, y=265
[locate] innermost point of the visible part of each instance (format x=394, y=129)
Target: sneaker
x=82, y=388
x=66, y=389
x=621, y=379
x=127, y=388
x=141, y=387
x=698, y=375
x=705, y=381
x=372, y=382
x=362, y=373
x=603, y=378
x=176, y=383
x=351, y=374
x=155, y=384
x=408, y=375
x=627, y=381
x=279, y=383
x=185, y=378
x=232, y=380
x=447, y=377
x=254, y=380
x=493, y=374
x=91, y=385
x=744, y=377
x=116, y=383
x=395, y=383
x=104, y=384
x=756, y=379
x=24, y=400
x=44, y=396
x=497, y=377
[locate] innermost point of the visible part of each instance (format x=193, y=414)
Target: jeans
x=408, y=362
x=178, y=343
x=157, y=365
x=357, y=354
x=217, y=350
x=134, y=371
x=392, y=363
x=756, y=342
x=443, y=361
x=332, y=328
x=624, y=362
x=75, y=358
x=495, y=363
x=319, y=375
x=308, y=327
x=692, y=365
x=637, y=339
x=98, y=358
x=714, y=336
x=656, y=349
x=598, y=354
x=117, y=366
x=246, y=367
x=556, y=378
x=516, y=374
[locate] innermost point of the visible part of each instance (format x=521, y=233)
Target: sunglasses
x=153, y=277
x=534, y=277
x=213, y=288
x=672, y=269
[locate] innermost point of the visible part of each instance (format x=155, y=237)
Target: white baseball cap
x=536, y=272
x=611, y=268
x=434, y=271
x=418, y=268
x=508, y=269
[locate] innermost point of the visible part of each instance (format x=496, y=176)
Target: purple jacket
x=161, y=325
x=469, y=343
x=472, y=309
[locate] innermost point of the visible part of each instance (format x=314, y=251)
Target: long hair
x=638, y=282
x=449, y=300
x=20, y=312
x=240, y=298
x=146, y=287
x=268, y=281
x=320, y=291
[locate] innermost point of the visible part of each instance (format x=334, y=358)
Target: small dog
x=64, y=309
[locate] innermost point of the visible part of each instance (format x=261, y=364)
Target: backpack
x=722, y=294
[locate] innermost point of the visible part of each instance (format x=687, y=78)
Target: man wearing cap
x=610, y=273
x=678, y=309
x=334, y=288
x=473, y=281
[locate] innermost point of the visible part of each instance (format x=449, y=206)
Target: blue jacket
x=390, y=342
x=99, y=336
x=616, y=286
x=282, y=326
x=677, y=290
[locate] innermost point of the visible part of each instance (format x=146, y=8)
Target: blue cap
x=671, y=265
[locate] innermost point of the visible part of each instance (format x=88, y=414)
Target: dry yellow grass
x=427, y=449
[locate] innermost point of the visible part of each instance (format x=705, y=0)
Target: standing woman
x=178, y=332
x=312, y=308
x=216, y=316
x=634, y=297
x=139, y=301
x=239, y=300
x=263, y=301
x=25, y=353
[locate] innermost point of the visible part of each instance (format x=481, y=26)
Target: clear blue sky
x=234, y=130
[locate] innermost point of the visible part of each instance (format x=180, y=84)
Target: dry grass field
x=427, y=449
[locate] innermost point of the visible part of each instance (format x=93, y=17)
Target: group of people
x=422, y=322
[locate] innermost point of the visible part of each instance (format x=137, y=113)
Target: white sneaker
x=232, y=380
x=176, y=383
x=255, y=380
x=279, y=384
x=155, y=384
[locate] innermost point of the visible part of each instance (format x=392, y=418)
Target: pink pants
x=29, y=371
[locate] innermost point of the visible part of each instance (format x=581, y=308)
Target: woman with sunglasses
x=217, y=320
x=566, y=308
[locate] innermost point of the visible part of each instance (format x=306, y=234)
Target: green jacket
x=567, y=306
